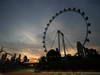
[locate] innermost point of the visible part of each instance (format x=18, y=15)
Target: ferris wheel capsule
x=89, y=24
x=57, y=14
x=43, y=37
x=86, y=18
x=78, y=11
x=43, y=41
x=82, y=13
x=69, y=9
x=74, y=9
x=60, y=12
x=64, y=9
x=53, y=17
x=48, y=24
x=87, y=40
x=50, y=21
x=46, y=28
x=44, y=33
x=45, y=50
x=89, y=32
x=44, y=46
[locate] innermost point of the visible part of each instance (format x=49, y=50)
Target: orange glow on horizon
x=69, y=51
x=32, y=56
x=33, y=60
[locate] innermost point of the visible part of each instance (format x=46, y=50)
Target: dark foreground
x=54, y=73
x=72, y=63
x=66, y=65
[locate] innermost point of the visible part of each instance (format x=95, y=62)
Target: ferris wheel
x=65, y=10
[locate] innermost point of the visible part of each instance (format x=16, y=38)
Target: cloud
x=96, y=2
x=22, y=22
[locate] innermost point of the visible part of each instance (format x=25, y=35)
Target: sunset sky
x=22, y=23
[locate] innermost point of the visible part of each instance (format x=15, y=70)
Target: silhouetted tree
x=53, y=56
x=4, y=57
x=13, y=58
x=19, y=58
x=42, y=59
x=42, y=62
x=25, y=59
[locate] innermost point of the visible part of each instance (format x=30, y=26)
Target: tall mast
x=63, y=42
x=58, y=39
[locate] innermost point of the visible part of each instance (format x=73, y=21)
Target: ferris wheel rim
x=82, y=13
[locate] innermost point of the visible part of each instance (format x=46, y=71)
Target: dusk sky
x=22, y=22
